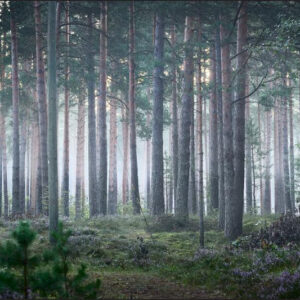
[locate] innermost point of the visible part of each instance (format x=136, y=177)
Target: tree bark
x=292, y=158
x=184, y=139
x=42, y=105
x=230, y=230
x=174, y=118
x=93, y=203
x=22, y=166
x=134, y=186
x=148, y=159
x=213, y=137
x=52, y=120
x=221, y=191
x=102, y=113
x=286, y=169
x=79, y=156
x=113, y=179
x=157, y=177
x=236, y=223
x=200, y=143
x=65, y=179
x=16, y=209
x=125, y=129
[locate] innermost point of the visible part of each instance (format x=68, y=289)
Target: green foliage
x=48, y=274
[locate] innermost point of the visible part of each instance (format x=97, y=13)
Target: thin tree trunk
x=248, y=157
x=79, y=156
x=52, y=121
x=65, y=179
x=292, y=159
x=157, y=177
x=42, y=106
x=174, y=118
x=148, y=159
x=22, y=166
x=230, y=230
x=134, y=186
x=93, y=203
x=184, y=139
x=221, y=191
x=113, y=179
x=200, y=143
x=266, y=208
x=287, y=195
x=102, y=113
x=4, y=166
x=15, y=100
x=260, y=153
x=213, y=137
x=254, y=179
x=125, y=129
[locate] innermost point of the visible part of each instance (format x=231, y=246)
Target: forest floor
x=154, y=259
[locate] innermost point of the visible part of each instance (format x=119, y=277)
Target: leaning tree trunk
x=174, y=119
x=134, y=186
x=213, y=137
x=102, y=172
x=184, y=139
x=157, y=177
x=65, y=179
x=200, y=143
x=292, y=159
x=52, y=121
x=42, y=105
x=113, y=179
x=221, y=192
x=79, y=156
x=93, y=203
x=15, y=101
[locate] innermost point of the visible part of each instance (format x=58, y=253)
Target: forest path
x=148, y=286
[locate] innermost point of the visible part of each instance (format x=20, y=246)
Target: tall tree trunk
x=235, y=227
x=102, y=113
x=134, y=186
x=4, y=165
x=292, y=159
x=278, y=172
x=266, y=208
x=174, y=118
x=157, y=177
x=125, y=129
x=200, y=142
x=28, y=138
x=52, y=121
x=65, y=179
x=22, y=166
x=184, y=139
x=259, y=158
x=192, y=201
x=248, y=157
x=213, y=137
x=287, y=195
x=113, y=179
x=15, y=100
x=93, y=203
x=79, y=156
x=42, y=105
x=1, y=172
x=221, y=191
x=228, y=134
x=148, y=159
